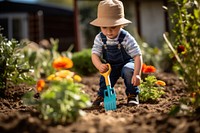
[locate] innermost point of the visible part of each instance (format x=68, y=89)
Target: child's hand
x=136, y=80
x=103, y=68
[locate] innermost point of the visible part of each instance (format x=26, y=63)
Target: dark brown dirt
x=145, y=118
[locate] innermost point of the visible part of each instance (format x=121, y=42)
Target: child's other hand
x=103, y=68
x=136, y=80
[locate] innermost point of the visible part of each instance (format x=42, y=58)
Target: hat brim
x=105, y=22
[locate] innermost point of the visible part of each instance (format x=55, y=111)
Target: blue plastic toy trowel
x=109, y=93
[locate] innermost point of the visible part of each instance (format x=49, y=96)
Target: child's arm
x=98, y=64
x=137, y=70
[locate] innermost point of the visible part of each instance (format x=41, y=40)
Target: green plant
x=61, y=102
x=41, y=59
x=185, y=43
x=13, y=67
x=82, y=62
x=151, y=89
x=61, y=99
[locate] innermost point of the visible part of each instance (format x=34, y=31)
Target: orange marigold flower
x=149, y=69
x=62, y=63
x=143, y=67
x=40, y=85
x=160, y=82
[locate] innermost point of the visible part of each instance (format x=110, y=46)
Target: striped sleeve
x=97, y=46
x=131, y=46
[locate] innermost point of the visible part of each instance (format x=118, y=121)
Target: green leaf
x=196, y=13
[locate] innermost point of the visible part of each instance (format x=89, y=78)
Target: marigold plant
x=151, y=88
x=59, y=94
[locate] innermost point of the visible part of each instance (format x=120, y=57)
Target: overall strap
x=122, y=36
x=103, y=38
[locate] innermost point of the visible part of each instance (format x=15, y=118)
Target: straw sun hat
x=110, y=13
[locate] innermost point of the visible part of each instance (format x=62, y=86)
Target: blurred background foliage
x=157, y=55
x=67, y=3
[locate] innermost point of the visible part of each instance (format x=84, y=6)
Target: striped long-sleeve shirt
x=129, y=43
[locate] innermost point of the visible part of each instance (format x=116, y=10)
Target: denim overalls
x=121, y=63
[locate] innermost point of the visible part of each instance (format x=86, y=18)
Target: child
x=117, y=47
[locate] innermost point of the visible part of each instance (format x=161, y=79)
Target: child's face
x=110, y=32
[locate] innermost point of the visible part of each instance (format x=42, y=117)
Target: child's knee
x=127, y=72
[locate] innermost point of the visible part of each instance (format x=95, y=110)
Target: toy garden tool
x=109, y=93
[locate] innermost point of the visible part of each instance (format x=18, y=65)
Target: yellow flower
x=160, y=82
x=51, y=77
x=64, y=74
x=58, y=78
x=77, y=78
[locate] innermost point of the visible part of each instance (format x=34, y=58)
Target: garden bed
x=15, y=117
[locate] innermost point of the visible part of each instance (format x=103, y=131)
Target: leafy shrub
x=61, y=102
x=185, y=44
x=83, y=63
x=13, y=67
x=186, y=41
x=151, y=89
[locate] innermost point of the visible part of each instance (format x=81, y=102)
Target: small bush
x=61, y=102
x=83, y=63
x=59, y=96
x=13, y=66
x=151, y=88
x=184, y=43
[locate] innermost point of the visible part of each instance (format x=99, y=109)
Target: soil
x=15, y=117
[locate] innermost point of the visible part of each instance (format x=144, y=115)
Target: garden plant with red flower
x=148, y=69
x=181, y=49
x=151, y=88
x=185, y=45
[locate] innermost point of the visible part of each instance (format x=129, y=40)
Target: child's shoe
x=97, y=101
x=132, y=100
